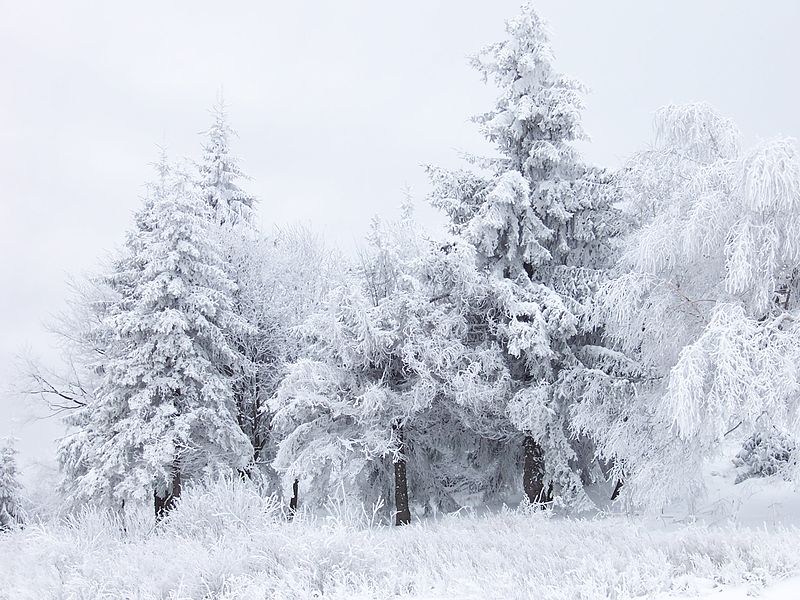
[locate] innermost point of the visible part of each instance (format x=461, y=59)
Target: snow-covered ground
x=226, y=542
x=788, y=589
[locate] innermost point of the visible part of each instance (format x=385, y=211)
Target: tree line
x=574, y=329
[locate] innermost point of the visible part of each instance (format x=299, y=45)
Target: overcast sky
x=337, y=105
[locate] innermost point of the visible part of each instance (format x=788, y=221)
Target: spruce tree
x=164, y=412
x=542, y=220
x=256, y=264
x=220, y=173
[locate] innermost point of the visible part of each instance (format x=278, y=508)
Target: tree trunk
x=163, y=503
x=123, y=517
x=293, y=500
x=617, y=489
x=533, y=473
x=402, y=511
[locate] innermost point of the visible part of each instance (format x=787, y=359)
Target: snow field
x=225, y=541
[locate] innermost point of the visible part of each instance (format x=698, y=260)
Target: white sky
x=337, y=104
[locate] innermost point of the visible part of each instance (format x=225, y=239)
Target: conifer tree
x=10, y=505
x=220, y=174
x=242, y=249
x=542, y=220
x=280, y=278
x=164, y=412
x=342, y=410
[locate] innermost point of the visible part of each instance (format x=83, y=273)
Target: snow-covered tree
x=220, y=173
x=164, y=412
x=87, y=335
x=10, y=488
x=705, y=303
x=402, y=381
x=342, y=410
x=275, y=289
x=282, y=278
x=544, y=227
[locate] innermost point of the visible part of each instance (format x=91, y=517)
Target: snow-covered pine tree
x=10, y=488
x=280, y=278
x=706, y=303
x=220, y=173
x=543, y=226
x=342, y=411
x=86, y=331
x=398, y=393
x=164, y=412
x=242, y=245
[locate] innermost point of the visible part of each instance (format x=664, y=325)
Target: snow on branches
x=544, y=228
x=706, y=299
x=10, y=488
x=220, y=173
x=164, y=411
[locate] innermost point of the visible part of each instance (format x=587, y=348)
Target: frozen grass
x=226, y=542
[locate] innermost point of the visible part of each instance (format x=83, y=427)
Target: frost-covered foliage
x=390, y=376
x=765, y=453
x=225, y=541
x=220, y=173
x=282, y=278
x=10, y=488
x=706, y=302
x=544, y=228
x=83, y=329
x=164, y=410
x=341, y=409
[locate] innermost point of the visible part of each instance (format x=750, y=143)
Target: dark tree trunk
x=123, y=517
x=166, y=502
x=293, y=500
x=251, y=471
x=533, y=473
x=617, y=489
x=258, y=442
x=402, y=511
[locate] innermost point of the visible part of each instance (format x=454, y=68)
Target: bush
x=765, y=453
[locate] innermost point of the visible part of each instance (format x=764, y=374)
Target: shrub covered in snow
x=764, y=453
